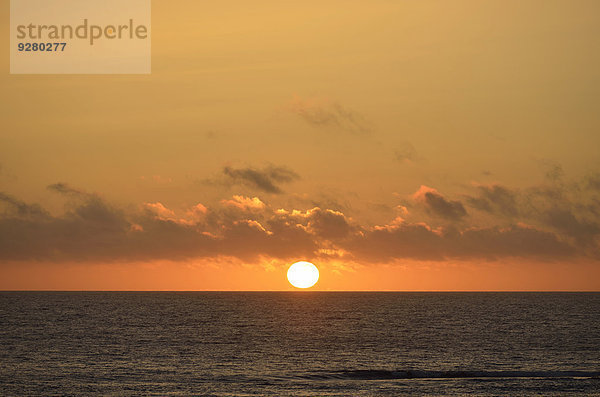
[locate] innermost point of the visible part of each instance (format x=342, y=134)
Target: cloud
x=563, y=219
x=545, y=222
x=267, y=179
x=325, y=223
x=495, y=199
x=320, y=113
x=64, y=188
x=244, y=203
x=406, y=153
x=16, y=207
x=438, y=205
x=552, y=169
x=421, y=242
x=563, y=207
x=160, y=210
x=324, y=198
x=93, y=230
x=592, y=181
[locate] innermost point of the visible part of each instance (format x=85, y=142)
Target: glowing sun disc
x=303, y=274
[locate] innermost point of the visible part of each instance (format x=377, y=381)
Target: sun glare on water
x=303, y=274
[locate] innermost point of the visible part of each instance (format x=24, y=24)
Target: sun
x=303, y=274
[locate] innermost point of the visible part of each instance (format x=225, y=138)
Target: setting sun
x=303, y=274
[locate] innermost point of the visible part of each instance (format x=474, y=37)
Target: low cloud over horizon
x=553, y=221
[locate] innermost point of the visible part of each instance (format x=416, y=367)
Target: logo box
x=80, y=36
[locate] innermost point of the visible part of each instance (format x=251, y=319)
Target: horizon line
x=305, y=291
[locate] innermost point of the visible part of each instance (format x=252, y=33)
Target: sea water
x=299, y=343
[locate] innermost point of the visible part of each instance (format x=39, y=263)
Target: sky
x=426, y=145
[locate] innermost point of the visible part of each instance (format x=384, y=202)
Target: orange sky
x=190, y=276
x=398, y=145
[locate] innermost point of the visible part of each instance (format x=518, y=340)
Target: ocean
x=299, y=344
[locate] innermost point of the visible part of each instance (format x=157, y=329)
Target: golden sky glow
x=426, y=145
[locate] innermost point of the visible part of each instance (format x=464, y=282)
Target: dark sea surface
x=299, y=343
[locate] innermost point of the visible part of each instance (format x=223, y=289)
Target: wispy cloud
x=438, y=205
x=495, y=198
x=406, y=153
x=322, y=113
x=267, y=179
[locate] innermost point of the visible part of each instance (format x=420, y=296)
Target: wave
x=369, y=374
